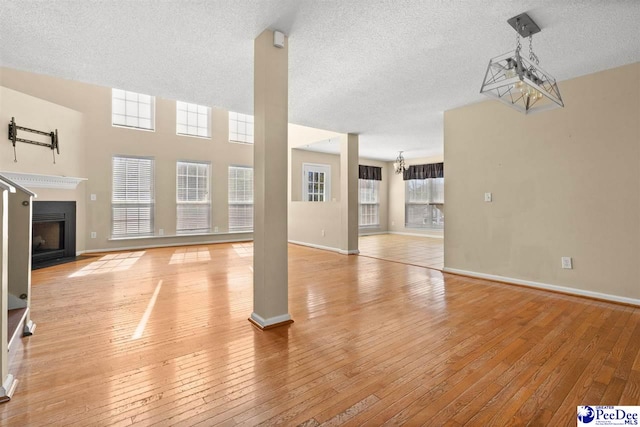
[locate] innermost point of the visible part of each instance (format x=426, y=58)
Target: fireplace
x=53, y=238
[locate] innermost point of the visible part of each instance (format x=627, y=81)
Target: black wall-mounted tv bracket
x=13, y=137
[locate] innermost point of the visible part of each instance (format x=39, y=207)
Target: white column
x=270, y=259
x=349, y=194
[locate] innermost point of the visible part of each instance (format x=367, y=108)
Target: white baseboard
x=325, y=248
x=166, y=245
x=372, y=233
x=433, y=236
x=545, y=286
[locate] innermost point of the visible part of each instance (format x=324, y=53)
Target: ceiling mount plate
x=524, y=25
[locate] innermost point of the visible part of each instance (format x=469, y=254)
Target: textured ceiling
x=384, y=69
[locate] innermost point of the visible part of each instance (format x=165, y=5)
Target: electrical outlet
x=94, y=197
x=215, y=229
x=567, y=262
x=322, y=232
x=161, y=232
x=93, y=234
x=487, y=197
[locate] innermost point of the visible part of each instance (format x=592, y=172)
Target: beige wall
x=100, y=141
x=397, y=198
x=319, y=224
x=313, y=223
x=565, y=183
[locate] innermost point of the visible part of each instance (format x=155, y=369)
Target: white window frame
x=324, y=193
x=429, y=198
x=193, y=195
x=132, y=110
x=193, y=120
x=241, y=128
x=132, y=197
x=369, y=203
x=239, y=203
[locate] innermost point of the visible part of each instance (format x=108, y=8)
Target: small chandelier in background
x=398, y=165
x=518, y=82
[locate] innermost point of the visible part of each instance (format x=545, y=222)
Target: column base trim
x=273, y=322
x=29, y=328
x=349, y=252
x=8, y=388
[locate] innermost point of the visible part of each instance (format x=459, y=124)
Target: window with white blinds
x=369, y=203
x=240, y=127
x=192, y=197
x=424, y=203
x=132, y=198
x=193, y=119
x=131, y=109
x=240, y=198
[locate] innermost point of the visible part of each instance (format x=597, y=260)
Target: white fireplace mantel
x=34, y=180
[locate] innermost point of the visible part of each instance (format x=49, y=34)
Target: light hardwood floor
x=415, y=250
x=373, y=343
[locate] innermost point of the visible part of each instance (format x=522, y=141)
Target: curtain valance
x=370, y=172
x=431, y=170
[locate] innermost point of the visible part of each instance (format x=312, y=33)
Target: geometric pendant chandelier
x=518, y=82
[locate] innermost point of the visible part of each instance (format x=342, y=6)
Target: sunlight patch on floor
x=243, y=249
x=189, y=255
x=110, y=263
x=145, y=317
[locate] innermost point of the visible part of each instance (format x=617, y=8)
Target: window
x=369, y=203
x=240, y=127
x=240, y=198
x=132, y=109
x=192, y=119
x=192, y=197
x=424, y=207
x=316, y=182
x=132, y=196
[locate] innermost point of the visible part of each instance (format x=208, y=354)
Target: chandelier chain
x=532, y=56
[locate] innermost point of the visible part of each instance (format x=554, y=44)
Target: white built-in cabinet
x=15, y=274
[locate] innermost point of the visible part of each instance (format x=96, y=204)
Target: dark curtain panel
x=370, y=172
x=431, y=170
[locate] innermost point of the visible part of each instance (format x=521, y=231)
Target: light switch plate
x=487, y=197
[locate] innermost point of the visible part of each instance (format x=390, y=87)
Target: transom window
x=131, y=109
x=240, y=198
x=424, y=203
x=132, y=199
x=193, y=119
x=369, y=203
x=192, y=197
x=316, y=182
x=240, y=127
